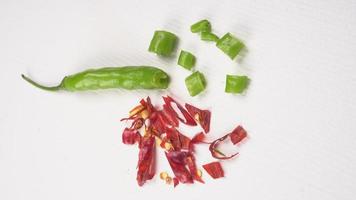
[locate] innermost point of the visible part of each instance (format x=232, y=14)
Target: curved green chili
x=129, y=77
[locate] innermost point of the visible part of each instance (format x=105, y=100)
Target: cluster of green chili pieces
x=163, y=43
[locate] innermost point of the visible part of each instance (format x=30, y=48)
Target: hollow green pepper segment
x=163, y=43
x=230, y=45
x=186, y=60
x=207, y=36
x=236, y=84
x=129, y=77
x=201, y=26
x=195, y=83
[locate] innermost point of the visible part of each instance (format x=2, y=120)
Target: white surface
x=299, y=109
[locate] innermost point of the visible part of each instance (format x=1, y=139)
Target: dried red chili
x=193, y=168
x=130, y=136
x=177, y=161
x=201, y=116
x=146, y=160
x=214, y=169
x=188, y=119
x=238, y=134
x=162, y=124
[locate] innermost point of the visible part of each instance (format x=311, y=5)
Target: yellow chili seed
x=163, y=175
x=199, y=173
x=168, y=146
x=169, y=180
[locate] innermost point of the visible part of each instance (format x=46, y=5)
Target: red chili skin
x=146, y=160
x=204, y=116
x=238, y=134
x=130, y=136
x=213, y=146
x=188, y=118
x=177, y=161
x=193, y=168
x=214, y=169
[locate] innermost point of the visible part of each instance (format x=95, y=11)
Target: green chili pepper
x=163, y=43
x=236, y=84
x=186, y=60
x=207, y=36
x=230, y=45
x=130, y=77
x=201, y=26
x=195, y=83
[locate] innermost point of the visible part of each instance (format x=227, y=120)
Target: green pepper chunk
x=230, y=45
x=201, y=26
x=129, y=77
x=186, y=60
x=236, y=84
x=207, y=36
x=195, y=83
x=163, y=43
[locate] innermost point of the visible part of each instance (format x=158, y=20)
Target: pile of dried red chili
x=151, y=126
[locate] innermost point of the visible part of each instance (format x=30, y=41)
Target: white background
x=299, y=109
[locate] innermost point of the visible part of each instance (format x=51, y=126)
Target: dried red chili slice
x=238, y=134
x=157, y=123
x=170, y=116
x=175, y=182
x=199, y=138
x=216, y=153
x=184, y=141
x=193, y=168
x=188, y=118
x=177, y=161
x=173, y=137
x=146, y=160
x=201, y=116
x=130, y=136
x=214, y=169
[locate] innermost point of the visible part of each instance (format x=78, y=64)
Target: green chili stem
x=53, y=88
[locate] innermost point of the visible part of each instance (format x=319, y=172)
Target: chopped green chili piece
x=236, y=84
x=186, y=60
x=195, y=83
x=163, y=43
x=207, y=36
x=230, y=45
x=201, y=26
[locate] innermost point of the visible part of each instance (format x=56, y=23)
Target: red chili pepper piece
x=193, y=168
x=170, y=115
x=177, y=161
x=130, y=136
x=214, y=169
x=201, y=116
x=199, y=138
x=188, y=118
x=146, y=160
x=217, y=154
x=175, y=182
x=238, y=134
x=173, y=137
x=157, y=123
x=184, y=141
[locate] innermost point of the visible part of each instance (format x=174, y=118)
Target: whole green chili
x=129, y=77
